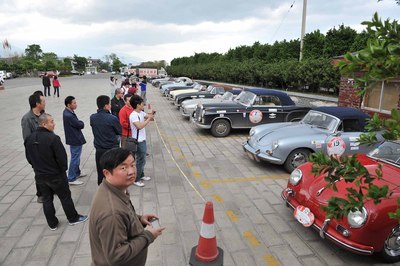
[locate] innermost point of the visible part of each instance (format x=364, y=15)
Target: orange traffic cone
x=207, y=252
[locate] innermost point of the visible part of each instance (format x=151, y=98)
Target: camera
x=154, y=112
x=155, y=223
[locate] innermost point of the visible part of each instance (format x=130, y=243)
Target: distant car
x=75, y=72
x=290, y=144
x=365, y=231
x=252, y=106
x=188, y=107
x=211, y=91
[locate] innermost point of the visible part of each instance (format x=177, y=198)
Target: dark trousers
x=56, y=90
x=60, y=187
x=46, y=90
x=100, y=176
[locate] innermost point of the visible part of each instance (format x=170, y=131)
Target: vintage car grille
x=198, y=112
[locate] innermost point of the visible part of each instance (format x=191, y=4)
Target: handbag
x=132, y=143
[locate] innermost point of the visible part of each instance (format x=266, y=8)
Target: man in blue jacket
x=106, y=131
x=73, y=137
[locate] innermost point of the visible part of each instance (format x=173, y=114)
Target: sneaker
x=146, y=178
x=53, y=228
x=139, y=184
x=82, y=175
x=81, y=219
x=75, y=183
x=40, y=199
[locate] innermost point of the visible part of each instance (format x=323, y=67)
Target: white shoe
x=146, y=178
x=139, y=184
x=76, y=183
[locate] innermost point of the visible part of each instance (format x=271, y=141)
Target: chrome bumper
x=260, y=156
x=288, y=192
x=194, y=121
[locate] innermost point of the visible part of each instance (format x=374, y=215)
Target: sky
x=138, y=31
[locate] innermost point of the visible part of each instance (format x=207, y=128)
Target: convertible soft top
x=344, y=113
x=283, y=96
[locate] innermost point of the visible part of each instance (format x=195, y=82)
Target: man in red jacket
x=124, y=114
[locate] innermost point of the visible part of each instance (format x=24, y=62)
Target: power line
x=280, y=24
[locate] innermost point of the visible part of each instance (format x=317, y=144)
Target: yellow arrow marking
x=251, y=238
x=270, y=260
x=232, y=216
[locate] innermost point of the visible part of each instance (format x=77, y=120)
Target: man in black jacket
x=117, y=102
x=45, y=152
x=46, y=84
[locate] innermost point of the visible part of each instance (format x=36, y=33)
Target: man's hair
x=102, y=101
x=126, y=96
x=114, y=157
x=135, y=100
x=117, y=91
x=34, y=100
x=39, y=92
x=68, y=100
x=43, y=118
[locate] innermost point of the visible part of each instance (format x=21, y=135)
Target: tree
x=116, y=64
x=81, y=62
x=338, y=41
x=34, y=52
x=314, y=43
x=380, y=60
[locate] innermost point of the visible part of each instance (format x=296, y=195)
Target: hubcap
x=392, y=243
x=221, y=128
x=298, y=159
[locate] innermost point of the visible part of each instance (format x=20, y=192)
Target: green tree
x=314, y=43
x=34, y=52
x=338, y=41
x=81, y=62
x=116, y=64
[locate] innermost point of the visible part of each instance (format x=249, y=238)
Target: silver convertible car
x=333, y=130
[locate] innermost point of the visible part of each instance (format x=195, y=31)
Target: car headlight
x=295, y=177
x=252, y=132
x=357, y=218
x=275, y=145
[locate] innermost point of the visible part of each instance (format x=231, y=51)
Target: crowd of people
x=118, y=236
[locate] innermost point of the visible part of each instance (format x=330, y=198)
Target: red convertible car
x=367, y=231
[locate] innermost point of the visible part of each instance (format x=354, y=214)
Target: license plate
x=304, y=215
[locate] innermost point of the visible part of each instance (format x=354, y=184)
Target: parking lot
x=188, y=166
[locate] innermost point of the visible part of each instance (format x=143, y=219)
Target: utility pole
x=303, y=28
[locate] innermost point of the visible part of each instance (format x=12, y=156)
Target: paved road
x=188, y=166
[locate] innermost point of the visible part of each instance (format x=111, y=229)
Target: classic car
x=365, y=231
x=176, y=90
x=252, y=106
x=290, y=144
x=188, y=107
x=211, y=91
x=181, y=81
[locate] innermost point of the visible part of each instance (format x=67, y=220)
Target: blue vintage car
x=251, y=107
x=333, y=130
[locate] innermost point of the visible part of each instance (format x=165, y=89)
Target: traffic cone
x=207, y=252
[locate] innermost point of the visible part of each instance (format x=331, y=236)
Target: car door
x=345, y=140
x=265, y=109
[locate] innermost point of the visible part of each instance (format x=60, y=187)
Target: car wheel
x=220, y=128
x=296, y=158
x=391, y=247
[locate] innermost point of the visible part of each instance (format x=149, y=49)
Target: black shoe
x=81, y=219
x=40, y=199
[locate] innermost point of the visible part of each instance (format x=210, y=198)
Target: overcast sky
x=162, y=30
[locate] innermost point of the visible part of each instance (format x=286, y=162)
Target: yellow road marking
x=218, y=198
x=251, y=238
x=196, y=174
x=205, y=184
x=189, y=164
x=270, y=260
x=232, y=216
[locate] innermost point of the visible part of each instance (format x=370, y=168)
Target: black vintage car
x=210, y=92
x=252, y=107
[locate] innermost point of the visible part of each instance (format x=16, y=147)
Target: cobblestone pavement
x=253, y=226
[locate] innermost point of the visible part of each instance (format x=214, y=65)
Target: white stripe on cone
x=207, y=230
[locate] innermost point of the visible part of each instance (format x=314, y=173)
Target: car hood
x=265, y=134
x=194, y=102
x=390, y=178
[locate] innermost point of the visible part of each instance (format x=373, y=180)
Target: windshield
x=320, y=120
x=388, y=151
x=227, y=96
x=209, y=88
x=246, y=98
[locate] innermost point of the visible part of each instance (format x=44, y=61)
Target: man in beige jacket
x=117, y=234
